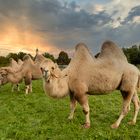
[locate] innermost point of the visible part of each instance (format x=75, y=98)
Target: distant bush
x=133, y=54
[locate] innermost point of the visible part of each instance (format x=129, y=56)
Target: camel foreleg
x=73, y=103
x=83, y=100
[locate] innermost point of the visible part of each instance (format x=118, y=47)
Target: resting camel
x=94, y=76
x=28, y=71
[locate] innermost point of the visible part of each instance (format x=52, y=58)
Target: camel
x=3, y=77
x=28, y=71
x=87, y=75
x=15, y=67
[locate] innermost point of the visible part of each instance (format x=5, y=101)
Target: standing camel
x=28, y=71
x=87, y=75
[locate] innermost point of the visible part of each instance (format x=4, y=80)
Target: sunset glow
x=13, y=40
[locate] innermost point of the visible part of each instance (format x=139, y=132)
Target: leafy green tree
x=50, y=56
x=12, y=55
x=21, y=55
x=133, y=54
x=63, y=58
x=3, y=61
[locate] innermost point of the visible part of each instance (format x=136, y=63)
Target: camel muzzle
x=45, y=74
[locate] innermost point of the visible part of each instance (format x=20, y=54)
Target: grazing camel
x=94, y=76
x=28, y=71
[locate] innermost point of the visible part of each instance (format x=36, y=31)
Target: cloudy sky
x=55, y=25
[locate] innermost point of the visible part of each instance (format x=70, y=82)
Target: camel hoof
x=114, y=126
x=86, y=125
x=131, y=123
x=70, y=118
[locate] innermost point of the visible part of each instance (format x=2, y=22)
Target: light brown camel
x=29, y=71
x=88, y=75
x=15, y=67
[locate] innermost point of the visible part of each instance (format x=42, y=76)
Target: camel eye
x=52, y=68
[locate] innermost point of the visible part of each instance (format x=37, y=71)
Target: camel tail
x=139, y=84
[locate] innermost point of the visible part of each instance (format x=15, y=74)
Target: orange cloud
x=14, y=40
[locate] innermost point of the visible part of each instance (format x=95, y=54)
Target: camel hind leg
x=136, y=102
x=127, y=97
x=72, y=106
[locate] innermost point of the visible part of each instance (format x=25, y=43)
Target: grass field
x=39, y=117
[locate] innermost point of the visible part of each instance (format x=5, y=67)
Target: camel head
x=50, y=69
x=3, y=77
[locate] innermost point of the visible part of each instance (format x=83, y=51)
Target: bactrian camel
x=94, y=76
x=14, y=66
x=29, y=71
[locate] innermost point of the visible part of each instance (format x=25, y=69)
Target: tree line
x=132, y=54
x=63, y=58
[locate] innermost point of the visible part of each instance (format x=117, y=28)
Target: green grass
x=39, y=117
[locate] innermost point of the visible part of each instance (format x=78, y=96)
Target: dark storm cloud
x=133, y=13
x=52, y=15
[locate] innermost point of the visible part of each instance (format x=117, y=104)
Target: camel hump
x=20, y=61
x=111, y=50
x=39, y=57
x=81, y=56
x=13, y=63
x=26, y=57
x=81, y=46
x=81, y=50
x=11, y=59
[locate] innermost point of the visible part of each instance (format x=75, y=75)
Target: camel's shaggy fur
x=55, y=84
x=89, y=75
x=14, y=66
x=3, y=77
x=29, y=71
